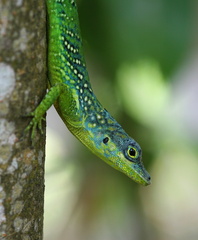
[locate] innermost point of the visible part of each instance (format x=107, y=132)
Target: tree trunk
x=22, y=86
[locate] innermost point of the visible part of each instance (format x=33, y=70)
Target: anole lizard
x=72, y=95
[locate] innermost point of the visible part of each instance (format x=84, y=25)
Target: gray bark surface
x=22, y=86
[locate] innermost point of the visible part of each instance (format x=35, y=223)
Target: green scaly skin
x=71, y=93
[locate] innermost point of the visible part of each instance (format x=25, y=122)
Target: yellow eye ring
x=132, y=152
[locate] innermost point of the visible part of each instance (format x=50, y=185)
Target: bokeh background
x=142, y=58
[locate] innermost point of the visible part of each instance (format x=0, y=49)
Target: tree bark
x=22, y=86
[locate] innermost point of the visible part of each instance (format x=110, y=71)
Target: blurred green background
x=142, y=58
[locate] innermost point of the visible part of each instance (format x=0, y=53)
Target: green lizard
x=71, y=93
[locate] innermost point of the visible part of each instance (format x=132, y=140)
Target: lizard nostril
x=149, y=178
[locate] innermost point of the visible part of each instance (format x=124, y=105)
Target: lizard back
x=66, y=63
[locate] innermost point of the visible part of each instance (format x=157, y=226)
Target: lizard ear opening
x=105, y=140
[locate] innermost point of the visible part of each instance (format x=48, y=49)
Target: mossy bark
x=22, y=86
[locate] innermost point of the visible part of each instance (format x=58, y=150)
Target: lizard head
x=107, y=139
x=123, y=153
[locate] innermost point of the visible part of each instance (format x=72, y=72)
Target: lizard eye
x=132, y=152
x=105, y=140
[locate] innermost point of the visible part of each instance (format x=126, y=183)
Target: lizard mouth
x=144, y=176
